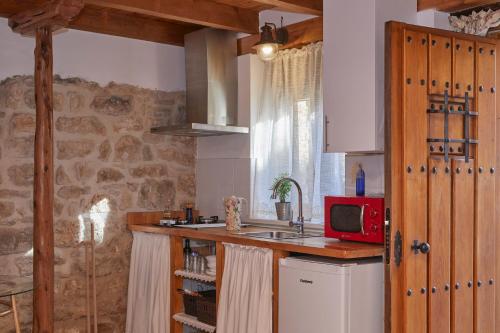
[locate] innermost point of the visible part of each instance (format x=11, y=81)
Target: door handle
x=422, y=247
x=362, y=219
x=326, y=122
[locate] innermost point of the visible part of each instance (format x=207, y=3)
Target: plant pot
x=284, y=211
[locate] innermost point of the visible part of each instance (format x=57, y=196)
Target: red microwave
x=359, y=219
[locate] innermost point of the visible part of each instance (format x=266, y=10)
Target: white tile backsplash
x=373, y=165
x=221, y=177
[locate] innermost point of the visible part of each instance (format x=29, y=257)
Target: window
x=288, y=136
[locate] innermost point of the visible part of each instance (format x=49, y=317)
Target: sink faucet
x=300, y=219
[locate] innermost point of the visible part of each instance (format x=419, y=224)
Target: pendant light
x=268, y=46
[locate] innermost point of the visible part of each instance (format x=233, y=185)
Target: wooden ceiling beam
x=299, y=34
x=112, y=22
x=451, y=5
x=201, y=12
x=118, y=23
x=313, y=7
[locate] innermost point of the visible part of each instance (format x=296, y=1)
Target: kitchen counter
x=320, y=246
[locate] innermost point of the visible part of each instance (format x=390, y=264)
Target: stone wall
x=106, y=163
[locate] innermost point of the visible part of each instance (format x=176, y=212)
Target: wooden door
x=440, y=181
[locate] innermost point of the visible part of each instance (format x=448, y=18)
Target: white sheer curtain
x=148, y=306
x=288, y=136
x=245, y=304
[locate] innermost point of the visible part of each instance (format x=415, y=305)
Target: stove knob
x=373, y=214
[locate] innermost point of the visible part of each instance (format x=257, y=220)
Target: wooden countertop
x=320, y=246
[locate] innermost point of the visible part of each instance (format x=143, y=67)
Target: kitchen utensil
x=233, y=206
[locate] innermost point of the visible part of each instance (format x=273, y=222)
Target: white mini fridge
x=318, y=295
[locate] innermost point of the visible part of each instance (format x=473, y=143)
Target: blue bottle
x=360, y=182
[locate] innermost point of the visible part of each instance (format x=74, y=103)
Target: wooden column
x=40, y=21
x=43, y=195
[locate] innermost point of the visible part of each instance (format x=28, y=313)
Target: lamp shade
x=267, y=47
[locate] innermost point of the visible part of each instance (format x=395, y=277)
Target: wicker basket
x=206, y=309
x=190, y=304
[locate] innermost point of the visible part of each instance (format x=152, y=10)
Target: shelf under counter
x=193, y=322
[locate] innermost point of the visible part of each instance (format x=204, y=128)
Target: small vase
x=284, y=211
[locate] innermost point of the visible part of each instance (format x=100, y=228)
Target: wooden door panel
x=440, y=64
x=462, y=253
x=485, y=189
x=447, y=289
x=463, y=69
x=440, y=240
x=415, y=181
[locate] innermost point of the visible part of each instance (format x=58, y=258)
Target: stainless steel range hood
x=212, y=86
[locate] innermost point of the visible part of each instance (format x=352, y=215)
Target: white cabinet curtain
x=288, y=135
x=148, y=307
x=245, y=304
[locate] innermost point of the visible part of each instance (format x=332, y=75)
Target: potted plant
x=283, y=207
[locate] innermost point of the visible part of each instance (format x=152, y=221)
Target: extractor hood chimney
x=212, y=85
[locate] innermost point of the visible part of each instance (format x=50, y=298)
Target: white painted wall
x=99, y=58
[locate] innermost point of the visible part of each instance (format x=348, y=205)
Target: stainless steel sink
x=278, y=234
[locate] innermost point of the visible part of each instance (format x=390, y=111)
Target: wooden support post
x=41, y=21
x=176, y=282
x=220, y=256
x=43, y=196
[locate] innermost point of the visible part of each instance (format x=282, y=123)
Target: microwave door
x=347, y=218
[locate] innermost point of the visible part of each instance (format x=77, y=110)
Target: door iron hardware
x=434, y=42
x=434, y=83
x=447, y=169
x=387, y=236
x=408, y=80
x=458, y=170
x=409, y=292
x=446, y=287
x=447, y=84
x=424, y=41
x=492, y=52
x=469, y=170
x=469, y=284
x=422, y=82
x=423, y=247
x=457, y=46
x=481, y=169
x=481, y=50
x=469, y=87
x=423, y=291
x=493, y=90
x=434, y=289
x=422, y=168
x=492, y=170
x=457, y=86
x=457, y=286
x=470, y=48
x=398, y=248
x=447, y=45
x=479, y=283
x=431, y=148
x=491, y=282
x=481, y=88
x=409, y=169
x=434, y=170
x=409, y=39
